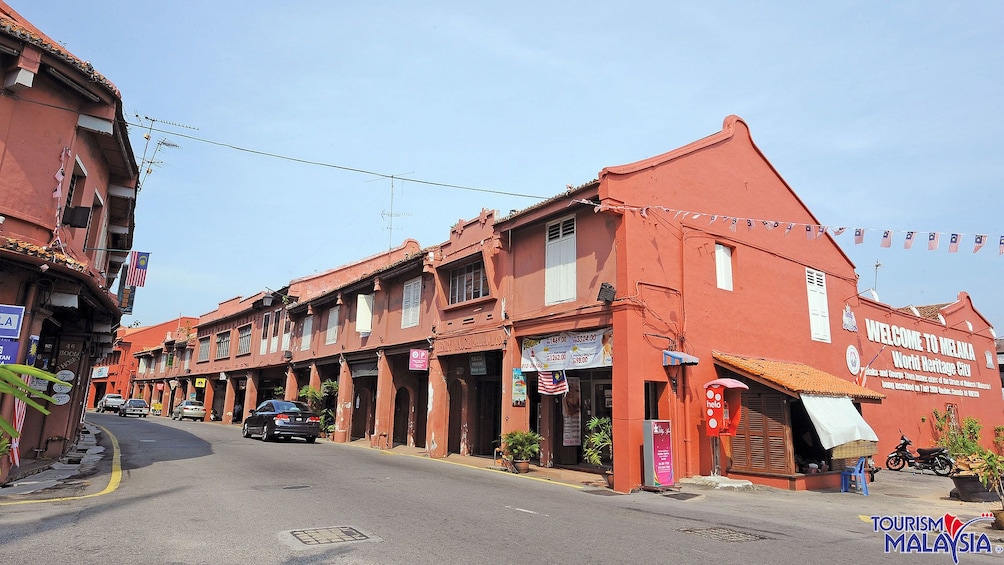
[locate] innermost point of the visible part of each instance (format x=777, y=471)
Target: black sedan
x=282, y=419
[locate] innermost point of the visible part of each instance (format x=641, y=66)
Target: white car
x=135, y=407
x=110, y=403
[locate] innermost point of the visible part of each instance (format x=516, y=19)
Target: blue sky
x=879, y=115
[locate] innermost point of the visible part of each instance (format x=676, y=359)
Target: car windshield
x=281, y=406
x=195, y=403
x=138, y=403
x=113, y=396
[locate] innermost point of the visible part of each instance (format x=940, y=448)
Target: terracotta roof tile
x=795, y=377
x=931, y=311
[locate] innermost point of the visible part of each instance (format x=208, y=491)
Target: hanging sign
x=10, y=321
x=518, y=388
x=418, y=360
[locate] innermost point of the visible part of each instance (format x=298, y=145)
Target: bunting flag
x=749, y=224
x=552, y=382
x=137, y=269
x=953, y=244
x=839, y=231
x=732, y=226
x=808, y=233
x=909, y=239
x=980, y=240
x=769, y=225
x=859, y=236
x=820, y=231
x=1002, y=246
x=886, y=238
x=713, y=218
x=61, y=174
x=789, y=228
x=20, y=409
x=932, y=240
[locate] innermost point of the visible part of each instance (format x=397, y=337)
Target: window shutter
x=410, y=303
x=559, y=263
x=819, y=316
x=308, y=328
x=723, y=266
x=331, y=332
x=364, y=313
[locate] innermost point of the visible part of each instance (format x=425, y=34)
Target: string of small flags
x=812, y=231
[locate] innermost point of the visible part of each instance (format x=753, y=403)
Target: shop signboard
x=568, y=350
x=658, y=453
x=10, y=321
x=418, y=360
x=8, y=351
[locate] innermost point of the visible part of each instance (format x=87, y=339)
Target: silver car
x=135, y=407
x=193, y=409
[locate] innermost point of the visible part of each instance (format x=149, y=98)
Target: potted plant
x=521, y=445
x=991, y=474
x=963, y=443
x=599, y=439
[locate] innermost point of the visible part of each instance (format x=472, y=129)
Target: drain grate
x=322, y=536
x=681, y=495
x=295, y=487
x=723, y=534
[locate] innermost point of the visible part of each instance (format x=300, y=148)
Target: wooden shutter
x=819, y=315
x=761, y=444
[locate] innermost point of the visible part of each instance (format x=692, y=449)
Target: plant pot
x=522, y=465
x=998, y=519
x=609, y=477
x=970, y=489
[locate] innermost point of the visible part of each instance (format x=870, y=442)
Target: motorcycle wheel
x=941, y=466
x=895, y=463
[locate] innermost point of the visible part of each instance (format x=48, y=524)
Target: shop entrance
x=590, y=393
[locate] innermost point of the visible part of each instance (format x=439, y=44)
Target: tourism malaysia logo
x=927, y=535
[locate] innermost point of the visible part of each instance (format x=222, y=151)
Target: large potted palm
x=522, y=445
x=991, y=474
x=600, y=440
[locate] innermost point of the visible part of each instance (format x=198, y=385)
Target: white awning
x=836, y=420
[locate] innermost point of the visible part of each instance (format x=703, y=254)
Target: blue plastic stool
x=854, y=477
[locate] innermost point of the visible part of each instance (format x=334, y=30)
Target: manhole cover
x=681, y=495
x=723, y=534
x=322, y=536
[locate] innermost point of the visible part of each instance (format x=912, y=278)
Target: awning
x=676, y=358
x=836, y=420
x=794, y=379
x=727, y=383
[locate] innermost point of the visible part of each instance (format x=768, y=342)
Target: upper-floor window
x=559, y=263
x=819, y=314
x=142, y=365
x=266, y=320
x=305, y=330
x=188, y=359
x=244, y=340
x=723, y=266
x=468, y=282
x=364, y=313
x=331, y=331
x=276, y=320
x=411, y=302
x=223, y=345
x=170, y=359
x=204, y=349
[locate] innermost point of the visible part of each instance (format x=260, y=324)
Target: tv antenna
x=391, y=215
x=877, y=267
x=146, y=165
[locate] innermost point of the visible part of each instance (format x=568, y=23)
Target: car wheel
x=310, y=439
x=266, y=434
x=245, y=430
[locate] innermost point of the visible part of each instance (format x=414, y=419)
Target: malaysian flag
x=953, y=244
x=15, y=442
x=980, y=240
x=838, y=231
x=1002, y=246
x=732, y=226
x=749, y=224
x=789, y=228
x=909, y=239
x=932, y=240
x=859, y=235
x=886, y=238
x=809, y=234
x=552, y=383
x=137, y=269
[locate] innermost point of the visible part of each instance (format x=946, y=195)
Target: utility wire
x=339, y=167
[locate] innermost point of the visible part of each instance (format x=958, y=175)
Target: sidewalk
x=39, y=474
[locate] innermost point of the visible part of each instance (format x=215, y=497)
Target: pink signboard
x=658, y=453
x=418, y=360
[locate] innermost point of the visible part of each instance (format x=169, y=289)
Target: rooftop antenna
x=146, y=166
x=877, y=266
x=391, y=215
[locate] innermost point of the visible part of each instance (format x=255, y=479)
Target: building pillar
x=437, y=424
x=315, y=377
x=229, y=395
x=292, y=388
x=343, y=410
x=383, y=411
x=251, y=390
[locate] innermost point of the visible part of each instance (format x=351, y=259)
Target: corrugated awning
x=794, y=379
x=676, y=358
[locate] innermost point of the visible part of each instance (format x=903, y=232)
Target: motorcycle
x=936, y=459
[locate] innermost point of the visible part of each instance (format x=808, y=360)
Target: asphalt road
x=200, y=493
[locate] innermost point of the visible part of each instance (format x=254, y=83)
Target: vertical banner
x=518, y=388
x=658, y=453
x=571, y=411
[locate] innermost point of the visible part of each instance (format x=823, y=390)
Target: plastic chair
x=854, y=477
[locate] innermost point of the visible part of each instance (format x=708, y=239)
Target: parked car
x=282, y=419
x=135, y=407
x=110, y=403
x=193, y=409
